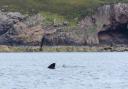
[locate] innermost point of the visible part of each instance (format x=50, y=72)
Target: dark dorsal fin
x=52, y=66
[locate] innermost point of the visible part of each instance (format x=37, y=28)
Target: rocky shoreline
x=98, y=48
x=107, y=26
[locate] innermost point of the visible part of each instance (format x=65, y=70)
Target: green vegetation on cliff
x=68, y=8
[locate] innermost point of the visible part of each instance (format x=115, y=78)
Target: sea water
x=73, y=71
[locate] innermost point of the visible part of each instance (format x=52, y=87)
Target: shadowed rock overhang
x=110, y=24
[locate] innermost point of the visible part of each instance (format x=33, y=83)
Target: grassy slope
x=63, y=7
x=58, y=9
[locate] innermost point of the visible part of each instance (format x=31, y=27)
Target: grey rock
x=105, y=17
x=14, y=30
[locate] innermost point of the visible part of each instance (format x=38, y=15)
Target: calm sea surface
x=73, y=71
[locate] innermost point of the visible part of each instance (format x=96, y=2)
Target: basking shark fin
x=52, y=66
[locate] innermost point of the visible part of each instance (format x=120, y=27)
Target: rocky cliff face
x=17, y=29
x=108, y=24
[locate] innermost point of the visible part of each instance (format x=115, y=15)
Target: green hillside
x=67, y=8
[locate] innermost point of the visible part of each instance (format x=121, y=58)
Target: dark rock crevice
x=117, y=33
